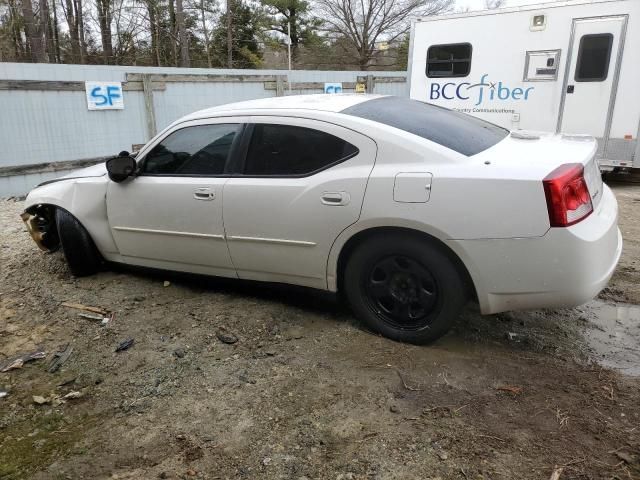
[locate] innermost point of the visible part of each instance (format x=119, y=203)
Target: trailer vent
x=538, y=22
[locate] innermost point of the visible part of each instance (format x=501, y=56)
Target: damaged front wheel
x=78, y=247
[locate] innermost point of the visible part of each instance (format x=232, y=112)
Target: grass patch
x=31, y=445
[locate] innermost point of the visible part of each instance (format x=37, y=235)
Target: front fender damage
x=40, y=221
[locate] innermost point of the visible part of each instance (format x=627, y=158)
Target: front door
x=592, y=65
x=302, y=183
x=170, y=216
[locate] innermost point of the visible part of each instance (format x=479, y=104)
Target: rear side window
x=287, y=150
x=452, y=60
x=459, y=132
x=594, y=56
x=202, y=150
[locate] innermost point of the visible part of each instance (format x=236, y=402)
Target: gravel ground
x=305, y=392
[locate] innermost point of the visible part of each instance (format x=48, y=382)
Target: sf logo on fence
x=104, y=95
x=333, y=87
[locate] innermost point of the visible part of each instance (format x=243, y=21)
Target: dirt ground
x=305, y=392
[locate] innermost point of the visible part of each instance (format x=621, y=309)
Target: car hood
x=98, y=170
x=92, y=171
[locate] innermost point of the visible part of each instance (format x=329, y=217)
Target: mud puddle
x=613, y=340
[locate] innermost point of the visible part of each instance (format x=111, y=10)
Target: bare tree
x=174, y=31
x=45, y=32
x=16, y=34
x=56, y=32
x=80, y=25
x=363, y=23
x=154, y=31
x=104, y=20
x=183, y=38
x=72, y=21
x=493, y=4
x=229, y=18
x=205, y=33
x=33, y=33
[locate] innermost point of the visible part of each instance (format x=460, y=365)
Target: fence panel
x=46, y=128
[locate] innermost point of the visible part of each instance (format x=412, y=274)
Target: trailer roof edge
x=521, y=8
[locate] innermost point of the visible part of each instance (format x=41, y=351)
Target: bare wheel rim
x=402, y=292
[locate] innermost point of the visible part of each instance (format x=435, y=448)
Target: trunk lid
x=533, y=155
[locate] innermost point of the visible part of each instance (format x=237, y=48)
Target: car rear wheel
x=404, y=287
x=78, y=247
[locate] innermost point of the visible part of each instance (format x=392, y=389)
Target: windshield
x=458, y=131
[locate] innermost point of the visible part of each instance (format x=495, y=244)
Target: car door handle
x=204, y=194
x=335, y=198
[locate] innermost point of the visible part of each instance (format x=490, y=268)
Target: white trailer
x=570, y=67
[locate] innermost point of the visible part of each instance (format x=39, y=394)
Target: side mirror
x=121, y=167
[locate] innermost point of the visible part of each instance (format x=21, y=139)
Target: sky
x=479, y=4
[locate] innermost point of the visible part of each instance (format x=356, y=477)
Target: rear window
x=459, y=132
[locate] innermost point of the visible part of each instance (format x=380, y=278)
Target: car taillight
x=568, y=199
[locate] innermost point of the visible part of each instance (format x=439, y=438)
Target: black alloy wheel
x=402, y=291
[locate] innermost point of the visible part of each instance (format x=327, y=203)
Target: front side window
x=202, y=150
x=452, y=60
x=594, y=55
x=287, y=150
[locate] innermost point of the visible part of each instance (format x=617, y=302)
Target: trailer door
x=591, y=76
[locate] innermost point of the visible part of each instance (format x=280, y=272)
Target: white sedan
x=405, y=208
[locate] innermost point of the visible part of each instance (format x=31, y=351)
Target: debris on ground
x=19, y=360
x=40, y=400
x=179, y=352
x=125, y=344
x=3, y=393
x=226, y=337
x=87, y=308
x=166, y=283
x=56, y=399
x=72, y=395
x=555, y=475
x=59, y=358
x=91, y=316
x=510, y=388
x=103, y=319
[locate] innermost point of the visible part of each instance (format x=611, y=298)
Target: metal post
x=280, y=85
x=289, y=51
x=147, y=90
x=370, y=83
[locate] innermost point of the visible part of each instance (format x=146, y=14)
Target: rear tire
x=78, y=247
x=404, y=287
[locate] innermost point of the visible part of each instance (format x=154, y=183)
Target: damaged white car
x=405, y=208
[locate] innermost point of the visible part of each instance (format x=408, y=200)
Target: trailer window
x=452, y=60
x=593, y=57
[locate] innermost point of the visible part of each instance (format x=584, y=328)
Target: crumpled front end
x=40, y=221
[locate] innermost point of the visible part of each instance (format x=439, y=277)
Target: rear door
x=302, y=183
x=591, y=72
